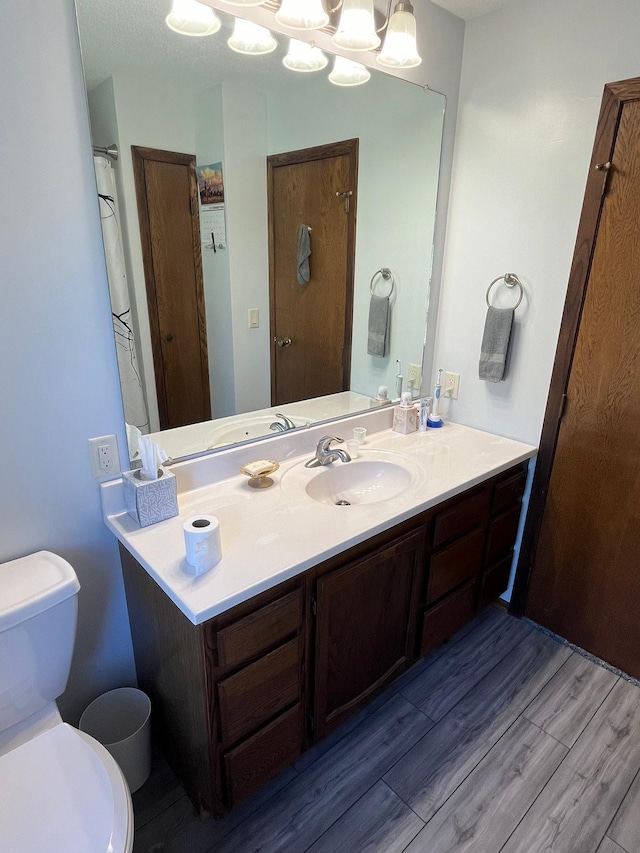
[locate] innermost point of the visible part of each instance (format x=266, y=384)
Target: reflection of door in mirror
x=166, y=193
x=312, y=189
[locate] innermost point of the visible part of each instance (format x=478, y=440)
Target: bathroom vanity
x=242, y=685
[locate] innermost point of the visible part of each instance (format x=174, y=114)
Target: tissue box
x=149, y=501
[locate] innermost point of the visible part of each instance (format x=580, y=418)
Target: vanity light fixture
x=357, y=29
x=304, y=57
x=251, y=38
x=399, y=49
x=190, y=18
x=302, y=14
x=345, y=72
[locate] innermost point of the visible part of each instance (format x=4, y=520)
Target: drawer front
x=259, y=691
x=494, y=581
x=264, y=755
x=247, y=638
x=461, y=518
x=444, y=619
x=502, y=534
x=455, y=564
x=508, y=492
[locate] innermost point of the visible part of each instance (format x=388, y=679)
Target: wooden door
x=167, y=196
x=365, y=627
x=585, y=570
x=307, y=188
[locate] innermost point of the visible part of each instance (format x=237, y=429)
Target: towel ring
x=511, y=280
x=387, y=275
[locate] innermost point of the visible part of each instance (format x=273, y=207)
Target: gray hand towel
x=303, y=272
x=379, y=320
x=495, y=343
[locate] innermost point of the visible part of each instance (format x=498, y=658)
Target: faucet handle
x=326, y=440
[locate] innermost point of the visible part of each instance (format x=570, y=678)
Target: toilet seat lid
x=59, y=794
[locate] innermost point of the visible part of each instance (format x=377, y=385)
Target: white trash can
x=120, y=721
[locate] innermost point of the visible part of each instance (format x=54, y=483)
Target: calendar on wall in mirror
x=213, y=230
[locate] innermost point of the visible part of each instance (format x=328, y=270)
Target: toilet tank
x=38, y=609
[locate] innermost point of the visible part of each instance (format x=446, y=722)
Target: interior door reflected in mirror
x=161, y=90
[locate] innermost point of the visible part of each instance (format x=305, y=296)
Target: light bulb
x=345, y=72
x=251, y=38
x=304, y=57
x=190, y=18
x=302, y=14
x=356, y=30
x=399, y=49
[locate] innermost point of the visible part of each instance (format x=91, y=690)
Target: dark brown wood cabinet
x=364, y=627
x=237, y=699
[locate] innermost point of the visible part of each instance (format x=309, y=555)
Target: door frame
x=614, y=98
x=138, y=157
x=348, y=147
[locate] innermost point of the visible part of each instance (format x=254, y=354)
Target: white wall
x=533, y=75
x=59, y=383
x=245, y=177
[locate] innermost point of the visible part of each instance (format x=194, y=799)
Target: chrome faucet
x=286, y=424
x=325, y=454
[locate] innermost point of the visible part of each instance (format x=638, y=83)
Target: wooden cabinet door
x=365, y=627
x=584, y=580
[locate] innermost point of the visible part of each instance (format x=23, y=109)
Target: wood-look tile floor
x=502, y=740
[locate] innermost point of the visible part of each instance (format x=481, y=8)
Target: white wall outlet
x=104, y=456
x=254, y=318
x=451, y=383
x=414, y=375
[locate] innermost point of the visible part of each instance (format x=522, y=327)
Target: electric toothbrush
x=434, y=420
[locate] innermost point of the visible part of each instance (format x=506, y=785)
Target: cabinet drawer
x=502, y=534
x=259, y=691
x=443, y=620
x=461, y=518
x=249, y=637
x=508, y=491
x=494, y=581
x=454, y=564
x=264, y=755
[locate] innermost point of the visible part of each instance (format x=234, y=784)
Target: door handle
x=282, y=342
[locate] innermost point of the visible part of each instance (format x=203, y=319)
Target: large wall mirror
x=153, y=90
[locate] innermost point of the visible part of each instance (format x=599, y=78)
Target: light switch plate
x=254, y=318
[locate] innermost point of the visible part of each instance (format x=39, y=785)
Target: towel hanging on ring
x=303, y=271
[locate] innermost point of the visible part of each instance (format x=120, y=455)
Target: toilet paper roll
x=202, y=542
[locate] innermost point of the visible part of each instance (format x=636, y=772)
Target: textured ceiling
x=469, y=8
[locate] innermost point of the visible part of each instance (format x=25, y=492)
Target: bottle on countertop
x=405, y=416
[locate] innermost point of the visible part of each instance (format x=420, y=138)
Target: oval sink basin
x=359, y=482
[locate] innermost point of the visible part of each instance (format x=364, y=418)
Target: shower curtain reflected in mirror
x=135, y=409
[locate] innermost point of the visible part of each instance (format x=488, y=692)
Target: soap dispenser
x=405, y=415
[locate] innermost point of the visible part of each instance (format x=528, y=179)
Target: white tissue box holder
x=150, y=501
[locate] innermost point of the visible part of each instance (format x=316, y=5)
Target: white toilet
x=61, y=790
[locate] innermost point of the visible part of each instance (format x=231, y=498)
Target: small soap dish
x=258, y=473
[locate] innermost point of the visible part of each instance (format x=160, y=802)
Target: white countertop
x=274, y=534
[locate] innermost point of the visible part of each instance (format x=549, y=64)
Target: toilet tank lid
x=30, y=585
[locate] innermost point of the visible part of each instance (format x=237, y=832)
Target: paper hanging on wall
x=213, y=231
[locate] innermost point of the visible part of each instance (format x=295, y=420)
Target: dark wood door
x=365, y=627
x=585, y=576
x=167, y=197
x=307, y=188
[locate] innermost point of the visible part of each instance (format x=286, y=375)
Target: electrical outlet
x=451, y=383
x=413, y=375
x=104, y=456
